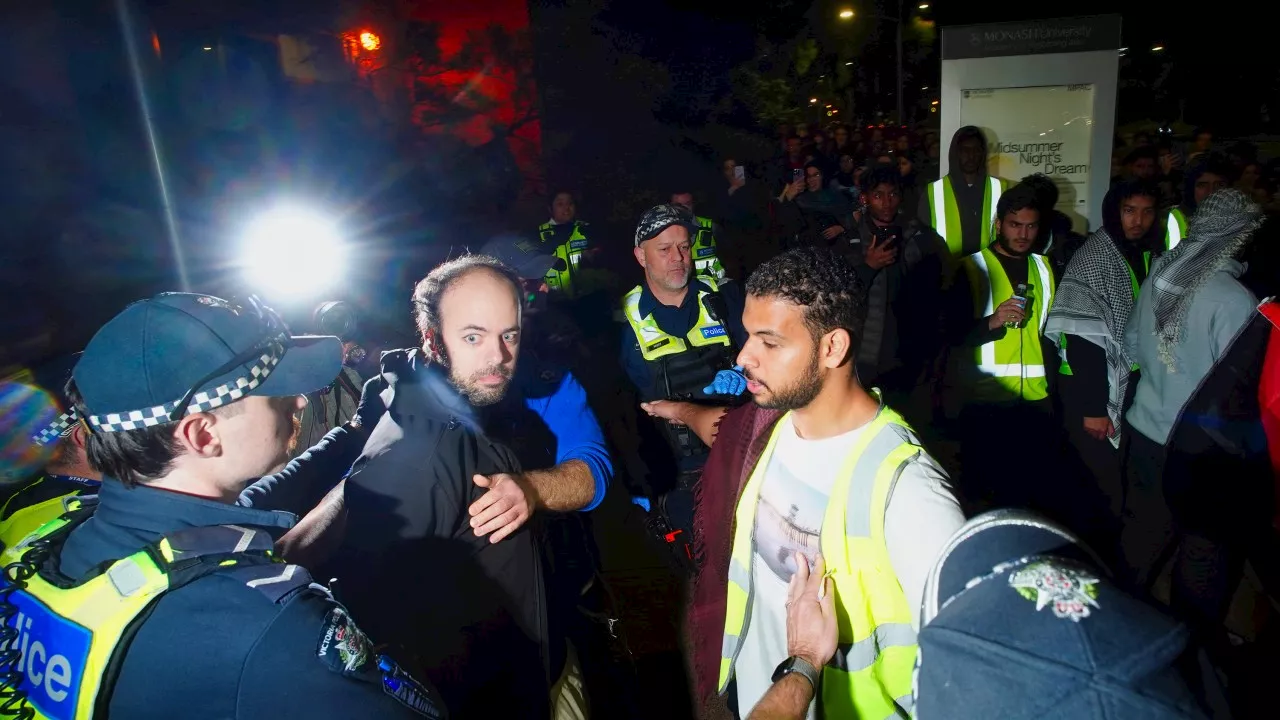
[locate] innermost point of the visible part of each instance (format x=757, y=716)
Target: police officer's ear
x=639, y=251
x=835, y=349
x=197, y=434
x=78, y=436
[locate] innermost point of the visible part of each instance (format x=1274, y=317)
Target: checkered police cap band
x=200, y=402
x=60, y=426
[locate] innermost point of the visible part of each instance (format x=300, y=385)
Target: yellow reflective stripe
x=656, y=343
x=860, y=520
x=873, y=692
x=1046, y=284
x=945, y=214
x=1175, y=229
x=990, y=199
x=861, y=655
x=886, y=477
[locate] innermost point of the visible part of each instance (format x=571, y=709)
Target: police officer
x=163, y=598
x=684, y=332
x=568, y=238
x=706, y=259
x=66, y=474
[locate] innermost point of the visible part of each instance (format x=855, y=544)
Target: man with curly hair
x=816, y=466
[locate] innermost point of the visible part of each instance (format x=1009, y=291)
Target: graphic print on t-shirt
x=788, y=520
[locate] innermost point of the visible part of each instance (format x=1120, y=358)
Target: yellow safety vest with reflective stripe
x=69, y=633
x=24, y=521
x=870, y=675
x=705, y=259
x=1012, y=366
x=1065, y=367
x=1175, y=229
x=944, y=213
x=570, y=251
x=656, y=343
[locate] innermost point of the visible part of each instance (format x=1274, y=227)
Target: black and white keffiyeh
x=1093, y=302
x=1223, y=223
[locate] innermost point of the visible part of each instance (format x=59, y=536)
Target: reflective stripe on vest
x=570, y=251
x=656, y=343
x=1175, y=229
x=69, y=631
x=705, y=258
x=1015, y=361
x=25, y=521
x=870, y=674
x=947, y=223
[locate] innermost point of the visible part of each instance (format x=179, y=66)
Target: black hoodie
x=468, y=613
x=968, y=197
x=1088, y=383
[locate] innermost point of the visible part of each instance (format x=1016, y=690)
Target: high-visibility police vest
x=1012, y=366
x=72, y=635
x=1175, y=229
x=870, y=674
x=656, y=343
x=705, y=259
x=570, y=251
x=944, y=213
x=1065, y=367
x=17, y=525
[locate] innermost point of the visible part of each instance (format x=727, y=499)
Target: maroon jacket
x=739, y=442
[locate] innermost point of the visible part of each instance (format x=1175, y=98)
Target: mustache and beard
x=477, y=394
x=794, y=396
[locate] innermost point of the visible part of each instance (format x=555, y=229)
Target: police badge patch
x=1069, y=591
x=343, y=647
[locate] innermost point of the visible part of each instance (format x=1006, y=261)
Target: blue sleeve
x=304, y=482
x=577, y=432
x=633, y=362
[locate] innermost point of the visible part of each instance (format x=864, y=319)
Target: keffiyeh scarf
x=1093, y=302
x=1223, y=223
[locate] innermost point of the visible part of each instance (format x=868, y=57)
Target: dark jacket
x=903, y=300
x=225, y=646
x=1217, y=475
x=469, y=613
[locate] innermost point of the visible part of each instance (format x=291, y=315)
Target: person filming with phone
x=1002, y=361
x=900, y=263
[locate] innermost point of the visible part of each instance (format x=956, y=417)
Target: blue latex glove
x=641, y=501
x=727, y=382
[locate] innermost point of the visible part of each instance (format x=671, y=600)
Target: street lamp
x=923, y=6
x=1157, y=48
x=846, y=14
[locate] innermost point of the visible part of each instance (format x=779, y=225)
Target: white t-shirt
x=921, y=516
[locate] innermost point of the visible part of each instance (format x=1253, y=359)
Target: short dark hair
x=1045, y=189
x=427, y=293
x=880, y=174
x=822, y=283
x=1019, y=197
x=562, y=191
x=134, y=456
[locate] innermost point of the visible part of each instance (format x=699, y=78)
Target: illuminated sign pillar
x=1044, y=94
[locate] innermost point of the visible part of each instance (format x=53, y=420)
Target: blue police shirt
x=678, y=321
x=217, y=648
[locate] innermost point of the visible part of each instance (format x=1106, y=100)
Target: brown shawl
x=739, y=443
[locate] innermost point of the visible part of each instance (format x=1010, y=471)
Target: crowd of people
x=806, y=396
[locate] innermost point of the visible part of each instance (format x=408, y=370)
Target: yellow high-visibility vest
x=705, y=259
x=570, y=251
x=944, y=213
x=656, y=343
x=69, y=633
x=1175, y=229
x=870, y=675
x=1012, y=366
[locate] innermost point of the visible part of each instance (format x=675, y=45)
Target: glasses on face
x=275, y=337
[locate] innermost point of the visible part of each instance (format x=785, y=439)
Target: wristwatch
x=800, y=666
